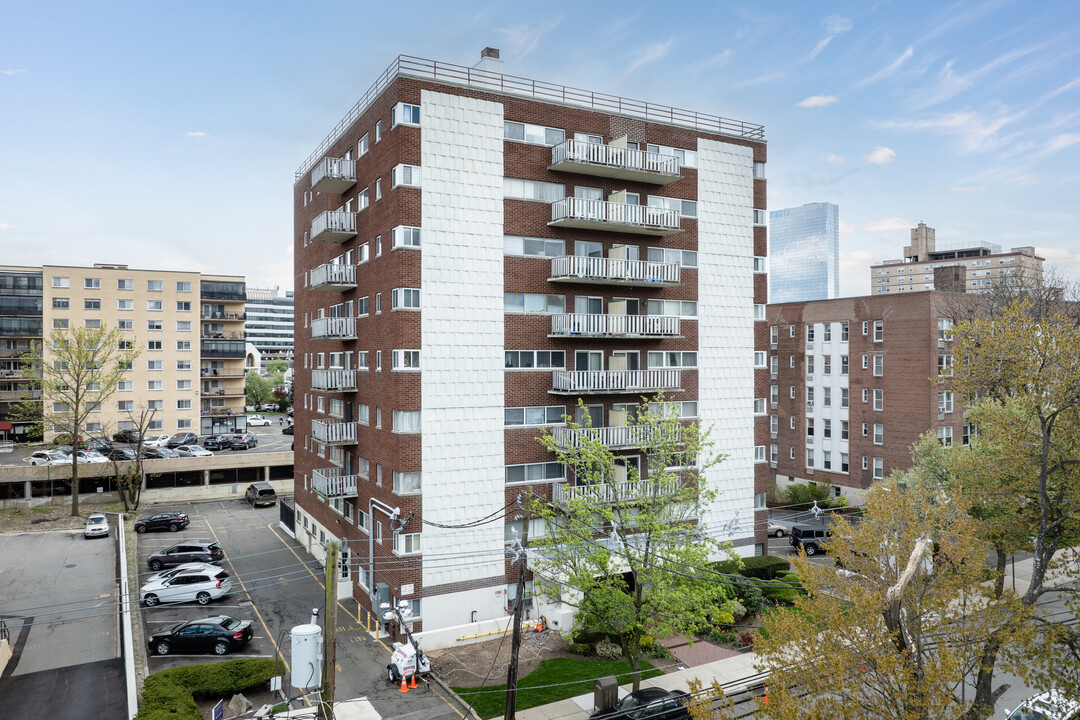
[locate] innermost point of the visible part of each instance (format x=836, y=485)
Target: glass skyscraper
x=804, y=253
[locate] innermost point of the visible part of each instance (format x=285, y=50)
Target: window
x=774, y=425
x=407, y=544
x=864, y=462
x=155, y=405
x=843, y=332
x=92, y=304
x=687, y=158
x=154, y=285
x=760, y=265
x=183, y=286
x=153, y=345
x=844, y=398
x=685, y=258
x=183, y=424
x=405, y=175
x=92, y=283
x=945, y=402
x=183, y=326
x=759, y=217
x=810, y=457
x=759, y=406
x=826, y=367
x=153, y=324
x=759, y=453
x=879, y=468
x=970, y=431
x=865, y=362
x=774, y=336
x=826, y=460
x=534, y=472
x=533, y=247
x=183, y=364
x=362, y=146
x=535, y=359
x=759, y=312
x=774, y=395
x=153, y=365
x=533, y=190
x=183, y=384
x=879, y=330
x=826, y=334
x=406, y=360
x=945, y=365
x=154, y=385
x=673, y=359
x=61, y=282
x=125, y=405
x=378, y=361
x=533, y=303
x=826, y=396
x=184, y=306
x=405, y=299
x=183, y=345
x=686, y=208
x=759, y=171
x=405, y=114
x=153, y=305
x=362, y=200
x=92, y=324
x=125, y=386
x=865, y=330
x=809, y=427
x=125, y=324
x=843, y=364
x=125, y=304
x=406, y=421
x=879, y=365
x=791, y=453
x=60, y=303
x=879, y=434
x=362, y=306
x=759, y=359
x=60, y=323
x=183, y=404
x=681, y=308
x=125, y=284
x=843, y=429
x=378, y=303
x=809, y=334
x=534, y=134
x=791, y=423
x=155, y=425
x=809, y=365
x=843, y=463
x=378, y=131
x=791, y=392
x=879, y=400
x=865, y=395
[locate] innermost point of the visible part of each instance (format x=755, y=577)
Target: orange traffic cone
x=404, y=687
x=412, y=681
x=765, y=696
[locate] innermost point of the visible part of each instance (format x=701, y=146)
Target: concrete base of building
x=193, y=493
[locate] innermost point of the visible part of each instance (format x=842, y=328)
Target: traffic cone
x=404, y=687
x=765, y=696
x=412, y=681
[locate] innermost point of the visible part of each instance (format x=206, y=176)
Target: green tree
x=258, y=388
x=277, y=367
x=77, y=371
x=626, y=550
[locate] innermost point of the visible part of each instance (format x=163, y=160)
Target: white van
x=1046, y=706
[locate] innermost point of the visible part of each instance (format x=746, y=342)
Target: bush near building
x=171, y=694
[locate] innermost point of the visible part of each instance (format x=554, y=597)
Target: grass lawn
x=567, y=676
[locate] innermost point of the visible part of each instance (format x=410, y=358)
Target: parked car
x=809, y=538
x=1049, y=705
x=131, y=437
x=257, y=420
x=184, y=438
x=200, y=551
x=172, y=521
x=97, y=525
x=779, y=528
x=216, y=442
x=202, y=586
x=648, y=704
x=90, y=456
x=121, y=455
x=218, y=635
x=166, y=574
x=287, y=430
x=101, y=445
x=193, y=451
x=155, y=440
x=260, y=493
x=47, y=457
x=246, y=439
x=158, y=453
x=268, y=407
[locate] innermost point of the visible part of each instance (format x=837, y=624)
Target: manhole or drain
x=70, y=566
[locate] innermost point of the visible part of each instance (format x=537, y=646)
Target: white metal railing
x=615, y=380
x=616, y=213
x=614, y=492
x=337, y=379
x=333, y=327
x=335, y=221
x=333, y=274
x=333, y=433
x=599, y=268
x=625, y=436
x=603, y=325
x=614, y=157
x=333, y=482
x=536, y=89
x=334, y=168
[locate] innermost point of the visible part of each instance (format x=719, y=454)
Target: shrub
x=752, y=598
x=608, y=650
x=723, y=618
x=764, y=567
x=785, y=595
x=578, y=648
x=170, y=694
x=723, y=637
x=646, y=641
x=728, y=567
x=736, y=608
x=746, y=639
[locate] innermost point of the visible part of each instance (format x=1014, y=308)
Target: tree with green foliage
x=277, y=367
x=77, y=371
x=627, y=550
x=259, y=389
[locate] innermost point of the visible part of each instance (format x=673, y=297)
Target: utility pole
x=519, y=603
x=330, y=655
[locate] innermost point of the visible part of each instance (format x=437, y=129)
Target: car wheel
x=392, y=674
x=155, y=564
x=173, y=527
x=779, y=532
x=221, y=647
x=203, y=598
x=162, y=647
x=151, y=600
x=140, y=528
x=811, y=549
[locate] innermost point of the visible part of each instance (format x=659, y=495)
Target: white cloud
x=650, y=54
x=834, y=25
x=834, y=159
x=889, y=69
x=893, y=223
x=11, y=72
x=1064, y=88
x=967, y=189
x=880, y=156
x=196, y=133
x=1060, y=142
x=816, y=101
x=6, y=226
x=950, y=84
x=719, y=60
x=975, y=131
x=523, y=39
x=846, y=228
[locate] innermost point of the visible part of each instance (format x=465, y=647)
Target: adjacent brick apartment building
x=854, y=382
x=474, y=253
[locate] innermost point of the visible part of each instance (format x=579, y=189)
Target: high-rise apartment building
x=20, y=331
x=983, y=264
x=269, y=323
x=475, y=253
x=804, y=253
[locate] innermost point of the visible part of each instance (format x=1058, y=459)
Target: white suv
x=202, y=586
x=256, y=420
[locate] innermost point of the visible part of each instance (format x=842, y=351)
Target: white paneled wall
x=726, y=328
x=461, y=152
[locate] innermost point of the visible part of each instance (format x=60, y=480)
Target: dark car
x=260, y=493
x=172, y=521
x=130, y=437
x=216, y=442
x=184, y=438
x=648, y=704
x=242, y=442
x=809, y=538
x=102, y=445
x=287, y=430
x=218, y=635
x=121, y=455
x=201, y=551
x=156, y=453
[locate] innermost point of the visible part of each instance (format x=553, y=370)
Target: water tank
x=306, y=657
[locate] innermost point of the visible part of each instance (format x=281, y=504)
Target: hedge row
x=170, y=694
x=763, y=567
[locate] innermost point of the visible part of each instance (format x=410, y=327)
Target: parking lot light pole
x=393, y=514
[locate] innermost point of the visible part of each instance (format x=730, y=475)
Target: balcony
x=627, y=436
x=333, y=175
x=615, y=162
x=626, y=491
x=223, y=412
x=333, y=277
x=339, y=328
x=614, y=271
x=222, y=373
x=333, y=483
x=334, y=380
x=13, y=395
x=618, y=217
x=208, y=314
x=614, y=326
x=334, y=432
x=334, y=226
x=576, y=382
x=218, y=392
x=223, y=349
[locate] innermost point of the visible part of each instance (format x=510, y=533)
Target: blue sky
x=167, y=135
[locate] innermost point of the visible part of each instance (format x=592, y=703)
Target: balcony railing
x=614, y=381
x=334, y=432
x=208, y=412
x=613, y=271
x=334, y=226
x=223, y=349
x=340, y=328
x=627, y=436
x=226, y=316
x=333, y=277
x=575, y=212
x=333, y=482
x=333, y=175
x=218, y=392
x=614, y=326
x=334, y=380
x=615, y=162
x=27, y=394
x=222, y=373
x=614, y=492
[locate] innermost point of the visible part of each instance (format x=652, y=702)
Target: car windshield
x=230, y=623
x=95, y=521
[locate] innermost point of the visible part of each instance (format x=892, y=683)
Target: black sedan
x=171, y=521
x=287, y=430
x=242, y=442
x=121, y=455
x=216, y=442
x=648, y=704
x=184, y=438
x=126, y=436
x=158, y=453
x=218, y=635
